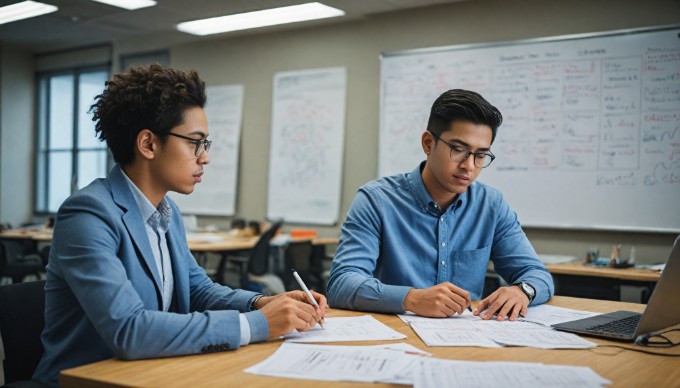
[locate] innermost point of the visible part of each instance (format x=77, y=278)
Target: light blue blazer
x=103, y=295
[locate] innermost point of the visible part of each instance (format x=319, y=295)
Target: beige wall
x=16, y=135
x=253, y=60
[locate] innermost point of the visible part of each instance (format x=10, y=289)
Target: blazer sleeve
x=87, y=246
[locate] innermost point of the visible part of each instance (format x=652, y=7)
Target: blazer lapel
x=179, y=268
x=132, y=219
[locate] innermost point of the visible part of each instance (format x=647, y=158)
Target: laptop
x=662, y=311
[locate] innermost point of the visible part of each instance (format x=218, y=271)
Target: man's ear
x=146, y=144
x=427, y=142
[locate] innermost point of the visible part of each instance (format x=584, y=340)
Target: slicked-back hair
x=462, y=105
x=145, y=97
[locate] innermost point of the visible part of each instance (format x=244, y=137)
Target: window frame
x=41, y=171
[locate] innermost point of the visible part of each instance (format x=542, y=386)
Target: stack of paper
x=432, y=372
x=404, y=364
x=547, y=315
x=469, y=330
x=392, y=363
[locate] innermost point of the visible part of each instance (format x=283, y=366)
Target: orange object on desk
x=303, y=233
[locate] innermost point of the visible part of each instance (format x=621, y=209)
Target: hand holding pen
x=292, y=310
x=302, y=284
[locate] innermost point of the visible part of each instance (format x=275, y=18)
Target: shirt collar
x=423, y=198
x=154, y=216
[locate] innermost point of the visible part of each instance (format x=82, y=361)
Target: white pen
x=306, y=290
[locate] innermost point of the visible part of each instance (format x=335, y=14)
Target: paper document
x=653, y=267
x=342, y=363
x=542, y=339
x=361, y=328
x=469, y=330
x=446, y=335
x=432, y=372
x=547, y=315
x=410, y=317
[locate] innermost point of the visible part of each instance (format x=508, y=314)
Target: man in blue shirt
x=121, y=280
x=421, y=241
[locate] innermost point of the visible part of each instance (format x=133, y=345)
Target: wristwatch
x=527, y=289
x=253, y=302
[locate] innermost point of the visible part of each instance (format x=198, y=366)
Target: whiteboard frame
x=588, y=35
x=431, y=50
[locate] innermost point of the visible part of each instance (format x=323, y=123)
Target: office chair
x=15, y=264
x=44, y=254
x=254, y=271
x=22, y=319
x=301, y=255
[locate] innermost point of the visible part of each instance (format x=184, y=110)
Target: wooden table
x=624, y=368
x=27, y=234
x=585, y=281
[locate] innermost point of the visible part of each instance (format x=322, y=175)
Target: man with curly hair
x=121, y=280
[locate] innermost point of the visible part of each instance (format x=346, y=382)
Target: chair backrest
x=3, y=259
x=13, y=249
x=22, y=319
x=259, y=256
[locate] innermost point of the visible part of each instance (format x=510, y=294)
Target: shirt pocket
x=470, y=269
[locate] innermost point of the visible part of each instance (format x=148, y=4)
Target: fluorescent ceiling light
x=267, y=17
x=128, y=4
x=24, y=10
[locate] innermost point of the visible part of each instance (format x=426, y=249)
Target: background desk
x=576, y=279
x=623, y=368
x=229, y=243
x=27, y=234
x=310, y=262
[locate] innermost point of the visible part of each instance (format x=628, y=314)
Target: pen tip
x=292, y=270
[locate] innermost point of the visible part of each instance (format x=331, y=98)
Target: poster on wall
x=216, y=194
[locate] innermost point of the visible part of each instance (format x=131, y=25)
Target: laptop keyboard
x=620, y=326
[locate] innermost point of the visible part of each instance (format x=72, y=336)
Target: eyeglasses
x=459, y=154
x=201, y=145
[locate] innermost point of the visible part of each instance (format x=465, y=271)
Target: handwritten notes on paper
x=533, y=331
x=362, y=328
x=386, y=363
x=403, y=364
x=307, y=138
x=433, y=372
x=590, y=123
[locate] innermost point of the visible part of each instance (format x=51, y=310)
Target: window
x=69, y=154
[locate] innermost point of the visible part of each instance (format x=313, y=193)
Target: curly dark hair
x=145, y=97
x=459, y=104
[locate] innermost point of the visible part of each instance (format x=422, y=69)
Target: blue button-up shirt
x=396, y=238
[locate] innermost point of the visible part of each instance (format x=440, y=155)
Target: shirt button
x=443, y=244
x=443, y=263
x=441, y=219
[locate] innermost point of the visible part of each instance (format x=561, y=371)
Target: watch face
x=528, y=289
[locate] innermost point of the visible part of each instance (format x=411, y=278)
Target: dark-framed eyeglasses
x=460, y=154
x=201, y=145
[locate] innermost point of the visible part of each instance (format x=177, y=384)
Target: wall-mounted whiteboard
x=307, y=138
x=216, y=194
x=591, y=131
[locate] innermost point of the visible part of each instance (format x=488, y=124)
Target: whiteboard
x=216, y=194
x=591, y=130
x=307, y=138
